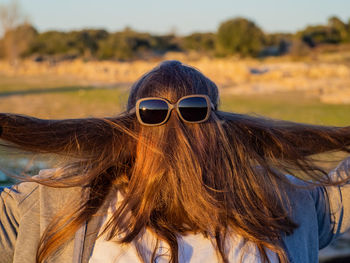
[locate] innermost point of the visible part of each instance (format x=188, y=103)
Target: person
x=174, y=179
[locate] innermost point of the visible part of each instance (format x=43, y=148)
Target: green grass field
x=289, y=106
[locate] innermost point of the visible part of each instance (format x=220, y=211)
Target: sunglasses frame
x=171, y=106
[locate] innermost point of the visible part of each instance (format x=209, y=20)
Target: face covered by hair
x=220, y=177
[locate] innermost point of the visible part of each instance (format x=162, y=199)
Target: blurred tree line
x=238, y=36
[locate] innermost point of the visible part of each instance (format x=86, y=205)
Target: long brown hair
x=217, y=178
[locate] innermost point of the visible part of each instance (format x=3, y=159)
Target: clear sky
x=181, y=16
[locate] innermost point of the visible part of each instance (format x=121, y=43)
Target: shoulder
x=308, y=194
x=330, y=204
x=28, y=189
x=27, y=194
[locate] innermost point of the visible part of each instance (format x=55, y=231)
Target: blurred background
x=70, y=59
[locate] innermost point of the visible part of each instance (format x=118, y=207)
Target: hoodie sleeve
x=10, y=216
x=9, y=223
x=339, y=199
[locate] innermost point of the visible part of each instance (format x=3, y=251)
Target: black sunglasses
x=154, y=111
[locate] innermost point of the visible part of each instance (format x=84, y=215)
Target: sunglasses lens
x=193, y=108
x=153, y=111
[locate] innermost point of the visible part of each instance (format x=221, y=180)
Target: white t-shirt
x=192, y=248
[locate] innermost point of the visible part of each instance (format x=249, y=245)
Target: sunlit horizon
x=181, y=17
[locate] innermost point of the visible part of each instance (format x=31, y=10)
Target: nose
x=173, y=111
